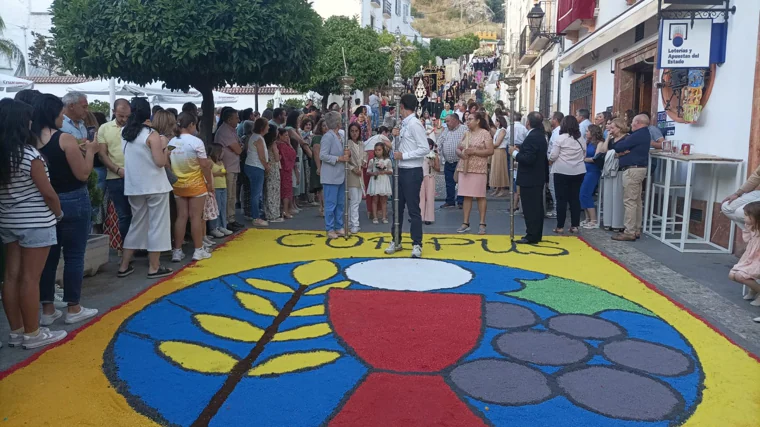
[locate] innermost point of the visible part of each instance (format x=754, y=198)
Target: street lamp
x=346, y=82
x=397, y=49
x=535, y=19
x=512, y=80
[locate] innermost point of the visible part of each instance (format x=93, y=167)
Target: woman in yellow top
x=194, y=183
x=218, y=226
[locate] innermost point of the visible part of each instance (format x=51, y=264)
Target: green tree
x=294, y=103
x=411, y=62
x=365, y=64
x=10, y=50
x=497, y=7
x=454, y=48
x=100, y=107
x=42, y=54
x=203, y=44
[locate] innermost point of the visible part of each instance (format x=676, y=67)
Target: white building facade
x=23, y=17
x=609, y=62
x=388, y=15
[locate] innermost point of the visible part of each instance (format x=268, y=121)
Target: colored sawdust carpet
x=291, y=329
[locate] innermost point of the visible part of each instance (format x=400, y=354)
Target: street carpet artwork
x=290, y=329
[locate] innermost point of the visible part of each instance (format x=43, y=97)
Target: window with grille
x=582, y=94
x=398, y=7
x=545, y=93
x=406, y=13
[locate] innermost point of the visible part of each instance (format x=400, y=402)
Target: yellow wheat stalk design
x=207, y=360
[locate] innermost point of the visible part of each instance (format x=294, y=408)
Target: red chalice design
x=407, y=339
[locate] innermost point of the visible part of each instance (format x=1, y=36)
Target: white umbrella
x=101, y=87
x=14, y=84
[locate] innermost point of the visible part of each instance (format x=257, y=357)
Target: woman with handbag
x=612, y=210
x=472, y=170
x=568, y=158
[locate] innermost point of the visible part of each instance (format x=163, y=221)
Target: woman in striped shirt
x=29, y=210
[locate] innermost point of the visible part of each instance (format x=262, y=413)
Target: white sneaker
x=15, y=340
x=750, y=295
x=756, y=302
x=217, y=233
x=177, y=255
x=44, y=337
x=200, y=254
x=392, y=248
x=207, y=241
x=84, y=314
x=58, y=301
x=416, y=251
x=224, y=231
x=48, y=319
x=355, y=230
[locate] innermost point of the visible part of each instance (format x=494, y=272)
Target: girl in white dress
x=380, y=169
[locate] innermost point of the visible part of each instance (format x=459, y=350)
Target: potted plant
x=96, y=254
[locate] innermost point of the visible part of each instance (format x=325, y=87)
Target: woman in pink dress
x=747, y=270
x=473, y=153
x=430, y=166
x=287, y=164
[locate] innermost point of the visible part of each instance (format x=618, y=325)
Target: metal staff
x=397, y=49
x=346, y=82
x=512, y=81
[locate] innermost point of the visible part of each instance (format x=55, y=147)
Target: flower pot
x=95, y=256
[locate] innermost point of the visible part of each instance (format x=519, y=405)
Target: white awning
x=155, y=90
x=13, y=83
x=634, y=16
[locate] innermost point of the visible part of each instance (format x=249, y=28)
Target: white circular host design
x=405, y=274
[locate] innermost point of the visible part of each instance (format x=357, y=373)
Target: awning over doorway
x=610, y=31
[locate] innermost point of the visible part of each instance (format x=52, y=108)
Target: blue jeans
x=334, y=196
x=221, y=201
x=375, y=117
x=121, y=203
x=256, y=178
x=590, y=181
x=451, y=191
x=72, y=233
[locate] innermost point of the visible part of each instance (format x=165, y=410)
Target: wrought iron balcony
x=387, y=9
x=374, y=3
x=525, y=53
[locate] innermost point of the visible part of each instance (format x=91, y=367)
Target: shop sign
x=685, y=43
x=667, y=127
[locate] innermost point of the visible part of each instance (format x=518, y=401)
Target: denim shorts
x=30, y=237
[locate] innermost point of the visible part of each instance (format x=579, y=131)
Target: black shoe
x=234, y=227
x=121, y=274
x=524, y=241
x=446, y=205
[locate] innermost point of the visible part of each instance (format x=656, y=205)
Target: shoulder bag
x=464, y=166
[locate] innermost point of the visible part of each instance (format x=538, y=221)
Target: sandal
x=464, y=228
x=573, y=230
x=589, y=225
x=375, y=221
x=559, y=231
x=482, y=230
x=161, y=272
x=126, y=272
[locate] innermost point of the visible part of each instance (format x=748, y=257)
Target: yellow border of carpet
x=65, y=386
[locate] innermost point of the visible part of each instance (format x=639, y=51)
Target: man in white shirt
x=583, y=116
x=520, y=130
x=411, y=148
x=556, y=120
x=460, y=110
x=374, y=108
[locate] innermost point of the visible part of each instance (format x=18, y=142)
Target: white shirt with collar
x=520, y=133
x=583, y=126
x=412, y=143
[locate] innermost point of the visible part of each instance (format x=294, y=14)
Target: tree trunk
x=207, y=120
x=256, y=94
x=324, y=102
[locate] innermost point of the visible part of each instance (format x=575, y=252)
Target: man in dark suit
x=532, y=176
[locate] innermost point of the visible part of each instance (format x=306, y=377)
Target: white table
x=670, y=227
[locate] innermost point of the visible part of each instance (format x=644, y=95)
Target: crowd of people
x=168, y=187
